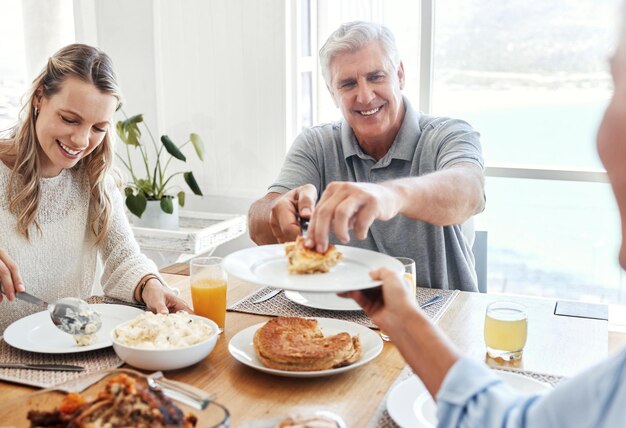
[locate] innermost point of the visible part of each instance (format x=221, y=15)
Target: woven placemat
x=282, y=306
x=382, y=419
x=93, y=361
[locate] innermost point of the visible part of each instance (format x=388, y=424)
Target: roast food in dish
x=303, y=260
x=298, y=344
x=163, y=331
x=124, y=402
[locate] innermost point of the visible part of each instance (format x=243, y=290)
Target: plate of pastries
x=293, y=266
x=305, y=347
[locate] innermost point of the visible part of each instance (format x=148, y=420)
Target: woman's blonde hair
x=90, y=65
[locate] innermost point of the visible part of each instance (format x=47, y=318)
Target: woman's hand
x=385, y=305
x=10, y=278
x=160, y=300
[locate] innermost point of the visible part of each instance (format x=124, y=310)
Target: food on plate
x=163, y=331
x=298, y=344
x=124, y=402
x=85, y=339
x=303, y=260
x=82, y=325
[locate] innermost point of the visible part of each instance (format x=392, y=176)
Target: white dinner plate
x=267, y=265
x=241, y=347
x=327, y=301
x=37, y=333
x=410, y=405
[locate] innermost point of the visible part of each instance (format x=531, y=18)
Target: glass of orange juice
x=506, y=330
x=208, y=288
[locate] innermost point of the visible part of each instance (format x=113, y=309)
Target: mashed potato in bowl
x=163, y=331
x=164, y=342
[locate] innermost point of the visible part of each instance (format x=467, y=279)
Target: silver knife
x=54, y=367
x=268, y=296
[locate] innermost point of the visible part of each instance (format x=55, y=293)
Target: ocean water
x=546, y=237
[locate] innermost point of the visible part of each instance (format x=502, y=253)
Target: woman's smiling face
x=71, y=124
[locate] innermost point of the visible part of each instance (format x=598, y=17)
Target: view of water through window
x=533, y=79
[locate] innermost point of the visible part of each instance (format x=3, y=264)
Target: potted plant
x=153, y=187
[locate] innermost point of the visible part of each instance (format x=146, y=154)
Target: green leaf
x=136, y=204
x=144, y=185
x=167, y=205
x=128, y=130
x=197, y=144
x=128, y=191
x=181, y=198
x=193, y=184
x=134, y=135
x=133, y=120
x=172, y=149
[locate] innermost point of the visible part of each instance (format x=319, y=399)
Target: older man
x=400, y=182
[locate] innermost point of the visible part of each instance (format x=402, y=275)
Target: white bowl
x=166, y=359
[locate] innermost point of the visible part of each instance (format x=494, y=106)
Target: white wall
x=217, y=68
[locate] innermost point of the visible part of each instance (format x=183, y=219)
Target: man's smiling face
x=367, y=89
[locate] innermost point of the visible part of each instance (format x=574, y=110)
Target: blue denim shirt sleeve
x=472, y=395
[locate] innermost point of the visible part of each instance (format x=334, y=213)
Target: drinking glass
x=506, y=330
x=409, y=272
x=208, y=289
x=409, y=275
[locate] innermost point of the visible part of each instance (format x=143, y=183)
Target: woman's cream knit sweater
x=60, y=259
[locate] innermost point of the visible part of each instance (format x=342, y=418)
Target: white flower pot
x=154, y=217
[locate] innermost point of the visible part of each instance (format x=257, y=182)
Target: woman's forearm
x=425, y=349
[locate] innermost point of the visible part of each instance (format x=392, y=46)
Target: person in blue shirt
x=468, y=393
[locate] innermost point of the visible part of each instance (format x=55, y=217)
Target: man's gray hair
x=352, y=36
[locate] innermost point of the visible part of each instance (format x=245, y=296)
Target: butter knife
x=53, y=367
x=267, y=296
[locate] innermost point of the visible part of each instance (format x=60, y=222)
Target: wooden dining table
x=557, y=345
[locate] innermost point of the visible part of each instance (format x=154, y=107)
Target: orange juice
x=209, y=299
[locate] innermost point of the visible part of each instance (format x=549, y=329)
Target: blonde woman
x=59, y=206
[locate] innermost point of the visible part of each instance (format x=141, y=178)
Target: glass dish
x=14, y=412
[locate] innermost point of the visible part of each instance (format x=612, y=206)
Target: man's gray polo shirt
x=424, y=144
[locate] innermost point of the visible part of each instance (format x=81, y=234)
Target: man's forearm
x=442, y=198
x=259, y=220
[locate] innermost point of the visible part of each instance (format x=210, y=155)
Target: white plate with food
x=410, y=405
x=326, y=301
x=37, y=333
x=241, y=347
x=267, y=265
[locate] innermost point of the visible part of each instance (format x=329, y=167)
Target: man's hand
x=286, y=209
x=350, y=206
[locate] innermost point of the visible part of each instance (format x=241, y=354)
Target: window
x=533, y=78
x=13, y=64
x=24, y=49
